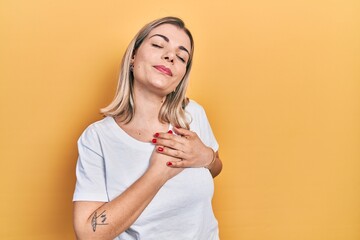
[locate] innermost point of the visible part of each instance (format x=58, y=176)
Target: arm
x=216, y=167
x=98, y=220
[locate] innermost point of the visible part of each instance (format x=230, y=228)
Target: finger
x=168, y=136
x=183, y=132
x=171, y=152
x=179, y=164
x=174, y=144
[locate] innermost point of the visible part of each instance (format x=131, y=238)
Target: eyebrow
x=168, y=40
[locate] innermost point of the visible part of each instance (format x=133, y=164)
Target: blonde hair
x=173, y=109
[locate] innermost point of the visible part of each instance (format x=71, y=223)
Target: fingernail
x=171, y=132
x=154, y=140
x=169, y=163
x=177, y=126
x=160, y=149
x=156, y=134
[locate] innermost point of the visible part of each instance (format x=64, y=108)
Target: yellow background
x=280, y=81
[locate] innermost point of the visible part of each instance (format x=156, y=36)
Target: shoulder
x=196, y=113
x=99, y=125
x=92, y=132
x=194, y=108
x=199, y=123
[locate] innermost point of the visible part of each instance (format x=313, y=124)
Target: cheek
x=181, y=72
x=139, y=60
x=143, y=55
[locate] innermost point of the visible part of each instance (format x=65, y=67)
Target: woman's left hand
x=186, y=146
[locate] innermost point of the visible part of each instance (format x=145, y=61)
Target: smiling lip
x=163, y=69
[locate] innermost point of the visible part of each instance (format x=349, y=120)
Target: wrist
x=157, y=179
x=210, y=165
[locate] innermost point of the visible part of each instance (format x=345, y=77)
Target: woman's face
x=160, y=61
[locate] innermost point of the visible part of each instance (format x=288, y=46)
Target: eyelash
x=158, y=46
x=181, y=59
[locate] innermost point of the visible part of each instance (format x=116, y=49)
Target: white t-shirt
x=110, y=161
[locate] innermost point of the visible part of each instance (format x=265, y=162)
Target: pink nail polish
x=160, y=149
x=154, y=140
x=169, y=163
x=171, y=132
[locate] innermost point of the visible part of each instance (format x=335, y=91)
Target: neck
x=145, y=122
x=147, y=107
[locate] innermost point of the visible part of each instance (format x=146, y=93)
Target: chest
x=124, y=165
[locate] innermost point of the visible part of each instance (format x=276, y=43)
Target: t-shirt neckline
x=129, y=139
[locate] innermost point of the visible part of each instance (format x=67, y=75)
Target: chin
x=163, y=86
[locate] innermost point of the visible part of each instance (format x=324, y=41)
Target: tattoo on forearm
x=102, y=221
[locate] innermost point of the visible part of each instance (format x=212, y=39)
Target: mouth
x=164, y=70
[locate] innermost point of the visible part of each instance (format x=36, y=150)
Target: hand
x=159, y=162
x=186, y=147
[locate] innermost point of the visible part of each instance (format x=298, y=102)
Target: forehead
x=176, y=35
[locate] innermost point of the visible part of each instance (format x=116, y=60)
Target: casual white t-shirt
x=110, y=161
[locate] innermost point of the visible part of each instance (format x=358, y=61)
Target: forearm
x=112, y=218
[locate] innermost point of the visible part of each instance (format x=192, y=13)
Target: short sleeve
x=207, y=133
x=202, y=125
x=90, y=169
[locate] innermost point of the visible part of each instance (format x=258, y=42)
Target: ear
x=133, y=57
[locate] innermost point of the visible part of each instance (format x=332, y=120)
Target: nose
x=169, y=56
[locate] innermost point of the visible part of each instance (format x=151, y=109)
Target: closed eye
x=181, y=59
x=155, y=45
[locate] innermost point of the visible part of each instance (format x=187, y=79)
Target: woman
x=145, y=171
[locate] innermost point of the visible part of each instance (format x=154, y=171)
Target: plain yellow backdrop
x=280, y=81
